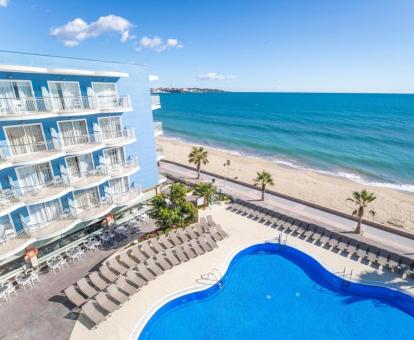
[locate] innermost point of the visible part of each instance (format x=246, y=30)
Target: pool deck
x=127, y=322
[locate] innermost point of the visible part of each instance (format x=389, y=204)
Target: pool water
x=273, y=292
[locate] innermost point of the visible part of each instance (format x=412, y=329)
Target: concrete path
x=294, y=209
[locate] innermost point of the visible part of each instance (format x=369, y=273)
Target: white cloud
x=157, y=44
x=4, y=3
x=215, y=76
x=76, y=31
x=153, y=77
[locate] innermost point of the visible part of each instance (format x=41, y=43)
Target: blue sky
x=290, y=45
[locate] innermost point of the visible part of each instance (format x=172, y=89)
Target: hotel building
x=77, y=142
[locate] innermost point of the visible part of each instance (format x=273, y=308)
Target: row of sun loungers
x=104, y=291
x=341, y=243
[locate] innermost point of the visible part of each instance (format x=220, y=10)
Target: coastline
x=393, y=208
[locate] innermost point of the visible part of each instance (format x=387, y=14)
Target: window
x=45, y=212
x=119, y=185
x=25, y=139
x=65, y=95
x=74, y=132
x=110, y=127
x=30, y=177
x=79, y=166
x=87, y=198
x=106, y=94
x=17, y=96
x=114, y=156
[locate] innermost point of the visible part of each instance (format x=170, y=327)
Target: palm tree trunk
x=358, y=227
x=198, y=170
x=263, y=192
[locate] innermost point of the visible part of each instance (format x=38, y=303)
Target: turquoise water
x=270, y=293
x=365, y=137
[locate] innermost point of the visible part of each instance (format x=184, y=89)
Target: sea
x=367, y=138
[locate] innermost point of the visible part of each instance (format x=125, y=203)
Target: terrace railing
x=32, y=105
x=20, y=149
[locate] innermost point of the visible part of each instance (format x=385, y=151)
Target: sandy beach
x=393, y=208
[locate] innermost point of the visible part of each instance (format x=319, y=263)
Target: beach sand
x=393, y=208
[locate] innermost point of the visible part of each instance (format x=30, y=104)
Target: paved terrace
x=42, y=312
x=389, y=240
x=126, y=322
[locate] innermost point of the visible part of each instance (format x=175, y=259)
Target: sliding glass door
x=106, y=94
x=119, y=185
x=73, y=132
x=25, y=139
x=110, y=127
x=65, y=95
x=87, y=198
x=45, y=212
x=114, y=157
x=31, y=177
x=17, y=96
x=79, y=166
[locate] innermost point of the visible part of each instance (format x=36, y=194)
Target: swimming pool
x=272, y=292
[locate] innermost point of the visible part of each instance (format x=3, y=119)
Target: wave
x=289, y=163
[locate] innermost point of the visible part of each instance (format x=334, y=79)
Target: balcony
x=41, y=192
x=88, y=179
x=9, y=202
x=24, y=154
x=160, y=153
x=158, y=131
x=45, y=107
x=81, y=144
x=117, y=137
x=92, y=211
x=155, y=102
x=13, y=242
x=125, y=198
x=49, y=229
x=123, y=169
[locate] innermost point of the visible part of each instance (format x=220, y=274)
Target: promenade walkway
x=392, y=240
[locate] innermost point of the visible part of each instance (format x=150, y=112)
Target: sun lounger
x=126, y=260
x=137, y=254
x=116, y=266
x=317, y=235
x=198, y=228
x=362, y=251
x=382, y=258
x=171, y=258
x=393, y=261
x=116, y=294
x=342, y=246
x=126, y=287
x=221, y=231
x=198, y=250
x=145, y=248
x=188, y=251
x=97, y=281
x=92, y=313
x=74, y=297
x=145, y=273
x=154, y=267
x=352, y=247
x=325, y=238
x=372, y=254
x=209, y=239
x=86, y=288
x=106, y=304
x=166, y=243
x=107, y=274
x=135, y=279
x=191, y=233
x=183, y=237
x=333, y=242
x=157, y=246
x=161, y=261
x=180, y=254
x=210, y=221
x=216, y=236
x=173, y=237
x=203, y=221
x=309, y=232
x=204, y=244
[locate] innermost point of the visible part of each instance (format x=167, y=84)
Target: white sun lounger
x=162, y=262
x=203, y=221
x=182, y=236
x=153, y=267
x=157, y=246
x=188, y=251
x=221, y=231
x=86, y=288
x=145, y=273
x=174, y=238
x=180, y=254
x=115, y=265
x=126, y=260
x=125, y=287
x=171, y=258
x=137, y=254
x=107, y=274
x=92, y=313
x=209, y=239
x=210, y=220
x=216, y=236
x=116, y=294
x=106, y=304
x=204, y=244
x=165, y=242
x=97, y=281
x=135, y=279
x=74, y=297
x=198, y=228
x=191, y=233
x=147, y=250
x=198, y=250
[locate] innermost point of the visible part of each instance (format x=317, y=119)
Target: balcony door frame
x=28, y=166
x=20, y=125
x=120, y=178
x=121, y=123
x=105, y=83
x=71, y=120
x=19, y=80
x=94, y=187
x=29, y=205
x=80, y=155
x=106, y=150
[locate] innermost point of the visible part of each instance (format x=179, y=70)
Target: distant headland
x=184, y=90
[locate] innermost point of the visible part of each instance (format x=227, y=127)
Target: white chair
x=24, y=281
x=11, y=289
x=54, y=264
x=34, y=276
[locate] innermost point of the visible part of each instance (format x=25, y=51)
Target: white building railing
x=155, y=101
x=16, y=150
x=32, y=105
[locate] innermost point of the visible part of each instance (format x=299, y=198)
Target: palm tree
x=198, y=156
x=361, y=199
x=263, y=179
x=207, y=190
